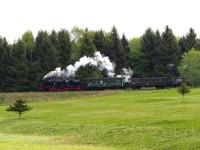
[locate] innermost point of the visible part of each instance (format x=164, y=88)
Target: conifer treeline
x=25, y=62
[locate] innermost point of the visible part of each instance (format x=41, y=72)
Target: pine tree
x=167, y=55
x=19, y=106
x=45, y=53
x=189, y=41
x=115, y=49
x=54, y=39
x=183, y=89
x=6, y=69
x=150, y=42
x=64, y=43
x=54, y=48
x=99, y=41
x=125, y=52
x=87, y=46
x=21, y=66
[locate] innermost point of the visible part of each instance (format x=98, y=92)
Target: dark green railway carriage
x=101, y=83
x=158, y=82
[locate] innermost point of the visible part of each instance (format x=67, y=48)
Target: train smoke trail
x=100, y=61
x=126, y=74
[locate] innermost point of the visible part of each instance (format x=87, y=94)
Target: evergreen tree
x=20, y=64
x=54, y=39
x=87, y=46
x=183, y=89
x=99, y=41
x=150, y=42
x=19, y=106
x=45, y=53
x=64, y=43
x=125, y=55
x=115, y=49
x=167, y=55
x=189, y=41
x=6, y=80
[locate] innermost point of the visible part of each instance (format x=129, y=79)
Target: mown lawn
x=141, y=119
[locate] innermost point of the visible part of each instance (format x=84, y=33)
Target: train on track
x=55, y=84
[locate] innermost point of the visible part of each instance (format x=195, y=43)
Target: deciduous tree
x=189, y=67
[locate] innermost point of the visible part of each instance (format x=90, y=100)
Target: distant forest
x=154, y=54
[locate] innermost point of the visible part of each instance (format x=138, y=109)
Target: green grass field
x=103, y=120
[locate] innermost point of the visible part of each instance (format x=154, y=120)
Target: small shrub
x=183, y=89
x=19, y=106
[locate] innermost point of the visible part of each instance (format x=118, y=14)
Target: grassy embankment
x=142, y=119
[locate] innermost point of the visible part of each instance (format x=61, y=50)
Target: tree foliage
x=46, y=54
x=100, y=42
x=189, y=67
x=189, y=41
x=150, y=44
x=19, y=106
x=183, y=89
x=6, y=66
x=64, y=47
x=136, y=61
x=167, y=55
x=28, y=44
x=24, y=62
x=88, y=72
x=87, y=46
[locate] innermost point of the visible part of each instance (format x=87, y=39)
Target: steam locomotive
x=55, y=84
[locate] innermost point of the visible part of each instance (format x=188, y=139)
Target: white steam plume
x=126, y=74
x=100, y=61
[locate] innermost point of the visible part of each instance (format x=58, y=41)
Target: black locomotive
x=75, y=84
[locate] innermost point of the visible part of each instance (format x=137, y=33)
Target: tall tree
x=189, y=67
x=167, y=55
x=6, y=66
x=189, y=41
x=99, y=41
x=136, y=60
x=21, y=67
x=150, y=41
x=45, y=53
x=115, y=49
x=87, y=46
x=28, y=41
x=125, y=52
x=64, y=43
x=53, y=37
x=28, y=44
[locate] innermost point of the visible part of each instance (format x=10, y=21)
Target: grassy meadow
x=103, y=120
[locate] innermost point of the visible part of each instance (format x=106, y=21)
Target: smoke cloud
x=126, y=74
x=100, y=61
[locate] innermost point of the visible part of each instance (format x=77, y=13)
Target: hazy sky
x=131, y=17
